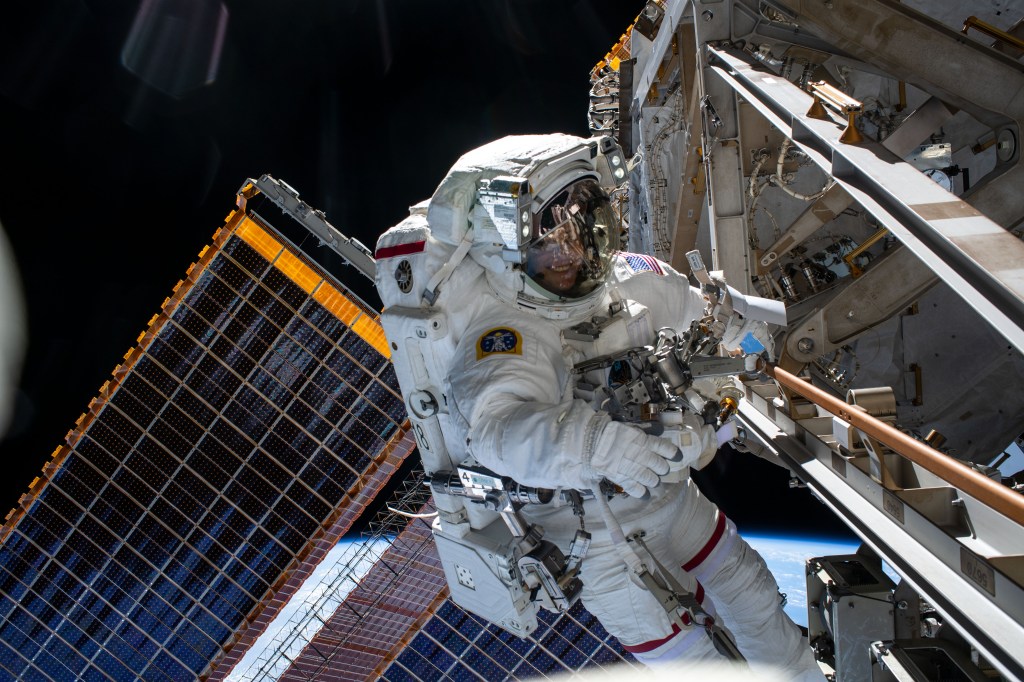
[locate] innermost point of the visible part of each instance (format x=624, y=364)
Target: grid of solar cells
x=400, y=591
x=457, y=645
x=226, y=441
x=398, y=624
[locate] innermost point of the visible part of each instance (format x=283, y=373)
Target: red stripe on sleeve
x=654, y=644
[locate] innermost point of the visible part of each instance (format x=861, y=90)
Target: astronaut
x=539, y=296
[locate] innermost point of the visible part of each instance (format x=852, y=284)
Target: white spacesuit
x=541, y=315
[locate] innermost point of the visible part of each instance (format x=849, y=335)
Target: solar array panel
x=252, y=422
x=400, y=625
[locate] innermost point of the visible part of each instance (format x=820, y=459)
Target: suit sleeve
x=520, y=422
x=673, y=302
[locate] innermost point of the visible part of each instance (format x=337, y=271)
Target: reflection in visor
x=570, y=252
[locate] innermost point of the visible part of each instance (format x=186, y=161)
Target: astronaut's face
x=570, y=252
x=554, y=262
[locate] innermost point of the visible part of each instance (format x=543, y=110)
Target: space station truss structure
x=860, y=161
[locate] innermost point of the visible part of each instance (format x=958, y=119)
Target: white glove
x=696, y=442
x=735, y=337
x=630, y=458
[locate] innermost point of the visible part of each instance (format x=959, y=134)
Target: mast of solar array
x=287, y=199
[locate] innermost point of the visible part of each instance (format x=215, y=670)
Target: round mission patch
x=499, y=341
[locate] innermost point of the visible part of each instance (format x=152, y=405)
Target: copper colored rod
x=992, y=31
x=995, y=495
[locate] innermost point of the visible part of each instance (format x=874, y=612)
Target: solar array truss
x=252, y=423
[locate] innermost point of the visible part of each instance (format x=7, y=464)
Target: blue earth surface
x=786, y=558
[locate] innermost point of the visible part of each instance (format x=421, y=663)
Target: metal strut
x=674, y=597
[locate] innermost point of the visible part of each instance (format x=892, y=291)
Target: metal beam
x=287, y=199
x=940, y=567
x=978, y=258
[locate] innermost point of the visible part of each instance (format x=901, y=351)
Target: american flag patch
x=639, y=262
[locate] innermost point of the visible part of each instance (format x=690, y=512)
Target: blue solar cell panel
x=11, y=663
x=231, y=274
x=563, y=649
x=440, y=660
x=291, y=294
x=172, y=667
x=137, y=639
x=271, y=388
x=244, y=420
x=468, y=626
x=152, y=518
x=113, y=667
x=542, y=661
x=182, y=501
x=370, y=416
x=246, y=579
x=270, y=548
x=203, y=303
x=348, y=451
x=182, y=338
x=449, y=637
x=47, y=541
x=156, y=376
x=68, y=657
x=161, y=432
x=102, y=448
x=224, y=378
x=396, y=673
x=295, y=516
x=214, y=628
x=420, y=667
x=128, y=656
x=461, y=672
x=168, y=360
x=294, y=355
x=324, y=321
x=207, y=392
x=49, y=669
x=250, y=332
x=331, y=464
x=284, y=533
x=310, y=339
x=254, y=506
x=196, y=327
x=386, y=401
x=278, y=448
x=133, y=487
x=296, y=439
x=246, y=257
x=133, y=408
x=310, y=420
x=307, y=501
x=201, y=413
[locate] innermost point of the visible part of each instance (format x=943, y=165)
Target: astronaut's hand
x=743, y=335
x=630, y=458
x=709, y=442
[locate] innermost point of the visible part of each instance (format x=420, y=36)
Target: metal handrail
x=991, y=31
x=994, y=495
